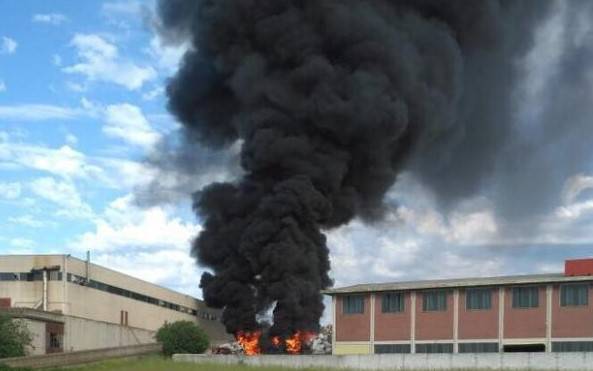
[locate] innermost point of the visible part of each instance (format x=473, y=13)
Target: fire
x=294, y=344
x=249, y=341
x=276, y=341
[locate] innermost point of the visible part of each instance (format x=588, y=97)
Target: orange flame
x=276, y=341
x=294, y=344
x=249, y=341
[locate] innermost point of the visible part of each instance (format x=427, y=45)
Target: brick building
x=549, y=312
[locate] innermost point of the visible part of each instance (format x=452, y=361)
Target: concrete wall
x=75, y=358
x=104, y=335
x=531, y=361
x=37, y=329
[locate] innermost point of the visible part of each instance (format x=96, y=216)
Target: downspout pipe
x=45, y=289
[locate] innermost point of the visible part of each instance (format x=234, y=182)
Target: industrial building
x=547, y=312
x=72, y=304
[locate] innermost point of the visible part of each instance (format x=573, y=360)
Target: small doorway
x=524, y=348
x=54, y=337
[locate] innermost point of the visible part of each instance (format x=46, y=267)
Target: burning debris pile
x=302, y=343
x=328, y=99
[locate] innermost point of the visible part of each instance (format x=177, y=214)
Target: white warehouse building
x=71, y=304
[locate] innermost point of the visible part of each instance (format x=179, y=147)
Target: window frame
x=478, y=289
x=345, y=298
x=402, y=302
x=561, y=296
x=530, y=287
x=425, y=308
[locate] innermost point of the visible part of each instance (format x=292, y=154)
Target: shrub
x=15, y=337
x=182, y=337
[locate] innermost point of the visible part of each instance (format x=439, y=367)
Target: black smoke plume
x=330, y=100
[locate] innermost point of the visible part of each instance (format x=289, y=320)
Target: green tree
x=182, y=337
x=15, y=337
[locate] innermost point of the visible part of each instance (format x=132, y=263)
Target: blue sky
x=82, y=106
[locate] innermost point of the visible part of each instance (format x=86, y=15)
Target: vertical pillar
x=334, y=329
x=549, y=290
x=372, y=319
x=500, y=318
x=413, y=322
x=456, y=321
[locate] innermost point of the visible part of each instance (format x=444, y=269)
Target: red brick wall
x=434, y=325
x=392, y=326
x=5, y=303
x=353, y=327
x=574, y=321
x=478, y=324
x=524, y=322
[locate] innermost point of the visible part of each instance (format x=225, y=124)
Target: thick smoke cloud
x=331, y=100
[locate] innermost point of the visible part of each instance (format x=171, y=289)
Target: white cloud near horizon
x=54, y=19
x=8, y=45
x=100, y=61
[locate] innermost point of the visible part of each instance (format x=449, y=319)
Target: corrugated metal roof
x=457, y=282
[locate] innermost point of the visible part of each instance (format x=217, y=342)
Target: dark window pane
x=434, y=348
x=392, y=302
x=478, y=298
x=574, y=294
x=392, y=348
x=478, y=347
x=434, y=301
x=525, y=297
x=572, y=346
x=353, y=304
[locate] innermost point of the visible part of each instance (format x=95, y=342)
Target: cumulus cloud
x=127, y=122
x=100, y=61
x=63, y=161
x=10, y=190
x=8, y=45
x=150, y=243
x=54, y=19
x=64, y=194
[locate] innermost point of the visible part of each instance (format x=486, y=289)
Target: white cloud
x=167, y=56
x=152, y=94
x=100, y=61
x=10, y=191
x=71, y=139
x=28, y=220
x=8, y=45
x=63, y=194
x=574, y=186
x=38, y=112
x=2, y=86
x=126, y=121
x=54, y=19
x=125, y=226
x=63, y=161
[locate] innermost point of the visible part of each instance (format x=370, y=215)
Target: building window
x=434, y=301
x=573, y=295
x=572, y=346
x=478, y=347
x=392, y=348
x=353, y=304
x=434, y=348
x=525, y=297
x=478, y=298
x=392, y=302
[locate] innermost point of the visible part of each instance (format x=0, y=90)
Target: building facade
x=60, y=293
x=551, y=312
